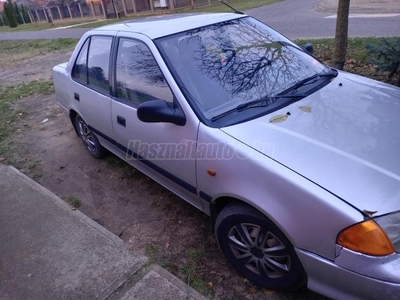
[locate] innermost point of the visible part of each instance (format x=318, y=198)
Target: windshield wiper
x=266, y=101
x=309, y=80
x=262, y=102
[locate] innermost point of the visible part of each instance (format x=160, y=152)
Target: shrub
x=9, y=11
x=385, y=55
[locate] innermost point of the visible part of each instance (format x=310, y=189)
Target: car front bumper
x=329, y=279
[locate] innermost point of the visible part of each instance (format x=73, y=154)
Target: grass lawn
x=40, y=26
x=9, y=118
x=17, y=50
x=239, y=5
x=106, y=22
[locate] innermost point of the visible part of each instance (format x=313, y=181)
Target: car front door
x=164, y=151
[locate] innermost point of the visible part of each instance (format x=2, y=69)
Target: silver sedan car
x=297, y=164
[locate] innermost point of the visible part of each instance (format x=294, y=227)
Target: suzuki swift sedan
x=297, y=164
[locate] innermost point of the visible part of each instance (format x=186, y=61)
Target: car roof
x=159, y=26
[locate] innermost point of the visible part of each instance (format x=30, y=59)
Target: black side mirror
x=156, y=111
x=309, y=48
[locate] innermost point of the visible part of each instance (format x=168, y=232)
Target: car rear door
x=90, y=88
x=164, y=151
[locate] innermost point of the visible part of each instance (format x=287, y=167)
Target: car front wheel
x=88, y=138
x=258, y=249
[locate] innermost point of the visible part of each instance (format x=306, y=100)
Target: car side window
x=79, y=71
x=98, y=63
x=139, y=79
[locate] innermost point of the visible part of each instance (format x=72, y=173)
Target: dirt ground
x=145, y=215
x=36, y=68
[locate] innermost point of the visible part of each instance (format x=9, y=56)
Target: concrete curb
x=177, y=282
x=76, y=25
x=49, y=250
x=147, y=283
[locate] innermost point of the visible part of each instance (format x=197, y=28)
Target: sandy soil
x=134, y=207
x=362, y=6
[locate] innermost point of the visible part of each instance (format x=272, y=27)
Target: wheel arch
x=72, y=117
x=221, y=202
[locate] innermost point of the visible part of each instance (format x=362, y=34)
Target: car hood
x=344, y=137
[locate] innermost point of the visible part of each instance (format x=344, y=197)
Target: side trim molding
x=192, y=189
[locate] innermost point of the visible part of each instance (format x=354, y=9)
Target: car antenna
x=236, y=11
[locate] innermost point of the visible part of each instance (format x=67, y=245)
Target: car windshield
x=222, y=66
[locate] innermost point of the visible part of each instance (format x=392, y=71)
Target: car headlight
x=391, y=225
x=368, y=237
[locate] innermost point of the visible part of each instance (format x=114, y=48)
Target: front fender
x=310, y=216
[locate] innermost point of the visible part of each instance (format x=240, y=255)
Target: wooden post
x=80, y=10
x=171, y=5
x=104, y=9
x=69, y=11
x=134, y=7
x=51, y=14
x=192, y=3
x=151, y=5
x=37, y=15
x=59, y=12
x=45, y=15
x=92, y=7
x=124, y=7
x=115, y=9
x=30, y=16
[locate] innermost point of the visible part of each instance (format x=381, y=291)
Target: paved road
x=44, y=34
x=298, y=19
x=294, y=18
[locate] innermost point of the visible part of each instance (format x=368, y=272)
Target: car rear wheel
x=88, y=138
x=258, y=249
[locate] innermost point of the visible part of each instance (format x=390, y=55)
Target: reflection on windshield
x=234, y=62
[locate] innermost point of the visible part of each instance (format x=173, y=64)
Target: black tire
x=258, y=249
x=88, y=138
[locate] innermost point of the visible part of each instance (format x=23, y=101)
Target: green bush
x=24, y=10
x=385, y=55
x=3, y=18
x=21, y=14
x=9, y=11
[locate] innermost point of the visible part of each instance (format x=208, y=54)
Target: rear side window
x=92, y=65
x=98, y=63
x=79, y=71
x=139, y=79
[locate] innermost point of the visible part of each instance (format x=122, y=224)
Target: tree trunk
x=342, y=26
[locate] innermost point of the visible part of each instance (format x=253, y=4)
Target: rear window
x=79, y=71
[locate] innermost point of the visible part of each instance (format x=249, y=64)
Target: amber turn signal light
x=366, y=237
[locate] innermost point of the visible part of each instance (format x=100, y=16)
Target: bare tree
x=342, y=25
